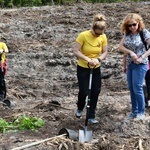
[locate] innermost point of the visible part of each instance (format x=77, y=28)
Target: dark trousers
x=147, y=79
x=83, y=82
x=2, y=84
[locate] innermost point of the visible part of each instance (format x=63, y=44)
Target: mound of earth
x=41, y=79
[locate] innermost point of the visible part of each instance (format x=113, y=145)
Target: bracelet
x=99, y=59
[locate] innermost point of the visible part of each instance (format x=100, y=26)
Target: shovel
x=86, y=135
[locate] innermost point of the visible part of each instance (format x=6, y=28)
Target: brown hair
x=132, y=16
x=99, y=22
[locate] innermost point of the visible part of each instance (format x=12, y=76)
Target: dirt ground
x=41, y=79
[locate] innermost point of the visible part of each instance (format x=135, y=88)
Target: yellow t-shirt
x=91, y=46
x=3, y=46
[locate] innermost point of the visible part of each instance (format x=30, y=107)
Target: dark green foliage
x=30, y=3
x=20, y=3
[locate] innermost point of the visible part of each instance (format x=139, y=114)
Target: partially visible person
x=137, y=61
x=149, y=65
x=3, y=50
x=90, y=48
x=124, y=63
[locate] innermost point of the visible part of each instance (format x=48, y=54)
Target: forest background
x=31, y=3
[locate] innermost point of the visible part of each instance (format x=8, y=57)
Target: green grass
x=21, y=123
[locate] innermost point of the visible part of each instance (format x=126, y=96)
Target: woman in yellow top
x=3, y=50
x=90, y=48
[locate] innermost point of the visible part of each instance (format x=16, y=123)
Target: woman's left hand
x=94, y=62
x=139, y=60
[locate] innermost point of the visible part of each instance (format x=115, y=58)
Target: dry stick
x=59, y=106
x=5, y=104
x=140, y=145
x=2, y=103
x=18, y=114
x=36, y=143
x=56, y=105
x=121, y=92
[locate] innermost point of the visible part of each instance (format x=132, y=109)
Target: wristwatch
x=99, y=59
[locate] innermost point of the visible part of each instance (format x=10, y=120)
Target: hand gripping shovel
x=86, y=135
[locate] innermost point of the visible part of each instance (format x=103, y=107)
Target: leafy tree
x=1, y=3
x=30, y=3
x=17, y=3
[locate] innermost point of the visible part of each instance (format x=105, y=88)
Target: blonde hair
x=99, y=22
x=135, y=17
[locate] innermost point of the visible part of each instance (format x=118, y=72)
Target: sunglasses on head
x=130, y=25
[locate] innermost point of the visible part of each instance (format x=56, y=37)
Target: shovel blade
x=85, y=136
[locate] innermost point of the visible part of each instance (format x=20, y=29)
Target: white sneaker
x=140, y=116
x=93, y=121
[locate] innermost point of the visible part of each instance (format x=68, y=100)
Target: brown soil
x=41, y=79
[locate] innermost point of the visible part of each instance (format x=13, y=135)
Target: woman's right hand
x=133, y=56
x=93, y=61
x=90, y=61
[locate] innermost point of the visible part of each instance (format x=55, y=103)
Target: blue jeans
x=135, y=78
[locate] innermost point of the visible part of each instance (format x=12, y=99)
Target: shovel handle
x=89, y=94
x=91, y=67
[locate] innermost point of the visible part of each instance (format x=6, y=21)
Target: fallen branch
x=121, y=92
x=2, y=103
x=59, y=106
x=18, y=114
x=38, y=142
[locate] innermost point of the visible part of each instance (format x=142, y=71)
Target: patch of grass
x=21, y=123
